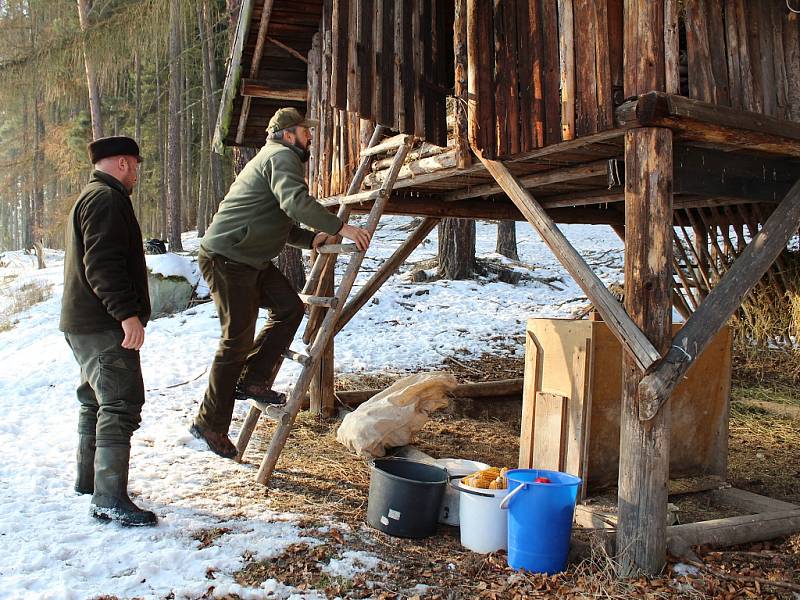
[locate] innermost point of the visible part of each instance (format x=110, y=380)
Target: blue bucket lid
x=557, y=478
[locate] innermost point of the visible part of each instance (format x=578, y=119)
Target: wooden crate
x=571, y=406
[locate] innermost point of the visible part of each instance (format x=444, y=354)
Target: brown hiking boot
x=259, y=392
x=218, y=443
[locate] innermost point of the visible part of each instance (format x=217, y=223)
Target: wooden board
x=552, y=365
x=581, y=360
x=551, y=418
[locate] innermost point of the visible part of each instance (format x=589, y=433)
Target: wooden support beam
x=582, y=198
x=574, y=173
x=621, y=325
x=732, y=531
x=322, y=399
x=644, y=447
x=258, y=52
x=385, y=271
x=750, y=502
x=501, y=210
x=693, y=120
x=257, y=88
x=721, y=303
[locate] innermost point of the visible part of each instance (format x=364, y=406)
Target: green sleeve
x=289, y=187
x=300, y=238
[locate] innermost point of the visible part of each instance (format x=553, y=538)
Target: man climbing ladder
x=334, y=305
x=259, y=215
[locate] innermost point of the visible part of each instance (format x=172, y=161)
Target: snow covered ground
x=52, y=549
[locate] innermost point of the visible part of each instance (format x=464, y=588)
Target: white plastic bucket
x=456, y=468
x=484, y=526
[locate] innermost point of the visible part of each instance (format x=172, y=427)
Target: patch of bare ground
x=317, y=478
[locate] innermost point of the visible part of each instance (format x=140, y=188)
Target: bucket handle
x=504, y=503
x=454, y=484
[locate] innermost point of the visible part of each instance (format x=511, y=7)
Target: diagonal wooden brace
x=619, y=322
x=720, y=304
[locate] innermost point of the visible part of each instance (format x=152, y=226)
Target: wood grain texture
x=644, y=47
x=644, y=447
x=549, y=447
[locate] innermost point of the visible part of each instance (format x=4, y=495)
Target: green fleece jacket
x=260, y=212
x=105, y=275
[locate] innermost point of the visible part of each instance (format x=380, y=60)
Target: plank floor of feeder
x=448, y=178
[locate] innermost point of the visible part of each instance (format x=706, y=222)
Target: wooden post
x=323, y=401
x=644, y=446
x=463, y=157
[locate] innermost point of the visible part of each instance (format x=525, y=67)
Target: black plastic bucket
x=405, y=497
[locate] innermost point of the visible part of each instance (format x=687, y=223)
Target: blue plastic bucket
x=539, y=519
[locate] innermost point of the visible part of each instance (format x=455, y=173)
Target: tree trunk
x=202, y=191
x=38, y=163
x=456, y=248
x=91, y=79
x=216, y=183
x=137, y=127
x=290, y=263
x=174, y=130
x=507, y=239
x=187, y=193
x=162, y=203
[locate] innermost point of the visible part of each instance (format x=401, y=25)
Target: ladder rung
x=297, y=356
x=326, y=301
x=388, y=144
x=357, y=198
x=337, y=249
x=276, y=413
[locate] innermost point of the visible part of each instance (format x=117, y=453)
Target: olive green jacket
x=105, y=275
x=260, y=212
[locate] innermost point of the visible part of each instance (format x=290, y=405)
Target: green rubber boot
x=110, y=501
x=84, y=480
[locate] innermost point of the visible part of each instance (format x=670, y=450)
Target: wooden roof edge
x=232, y=77
x=711, y=123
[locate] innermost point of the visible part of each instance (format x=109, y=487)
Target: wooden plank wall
x=744, y=54
x=381, y=62
x=556, y=71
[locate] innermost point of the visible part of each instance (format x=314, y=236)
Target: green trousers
x=111, y=392
x=238, y=292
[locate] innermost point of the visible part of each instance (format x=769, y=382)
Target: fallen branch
x=174, y=385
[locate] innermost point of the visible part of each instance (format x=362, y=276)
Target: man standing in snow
x=257, y=218
x=103, y=313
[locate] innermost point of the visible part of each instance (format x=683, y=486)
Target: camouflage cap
x=289, y=117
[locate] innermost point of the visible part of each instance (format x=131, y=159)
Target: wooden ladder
x=321, y=336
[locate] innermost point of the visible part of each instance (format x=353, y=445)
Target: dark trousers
x=238, y=292
x=111, y=393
